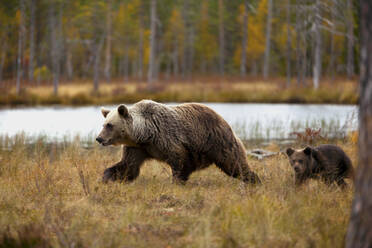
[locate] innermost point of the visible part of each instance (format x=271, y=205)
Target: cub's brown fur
x=327, y=162
x=188, y=137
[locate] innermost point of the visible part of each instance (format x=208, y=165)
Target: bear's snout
x=99, y=139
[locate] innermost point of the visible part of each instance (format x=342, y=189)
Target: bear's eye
x=300, y=161
x=109, y=126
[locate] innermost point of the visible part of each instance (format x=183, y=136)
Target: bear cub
x=327, y=162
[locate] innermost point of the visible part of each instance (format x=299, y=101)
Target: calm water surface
x=250, y=121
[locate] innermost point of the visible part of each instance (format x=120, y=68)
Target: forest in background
x=155, y=40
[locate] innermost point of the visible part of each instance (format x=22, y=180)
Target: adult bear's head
x=117, y=127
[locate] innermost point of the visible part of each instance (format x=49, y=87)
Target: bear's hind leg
x=341, y=183
x=128, y=168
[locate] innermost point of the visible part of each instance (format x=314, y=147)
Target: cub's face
x=300, y=160
x=116, y=128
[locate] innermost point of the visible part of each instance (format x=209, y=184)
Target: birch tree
x=107, y=70
x=188, y=56
x=21, y=37
x=55, y=16
x=98, y=37
x=221, y=36
x=331, y=66
x=298, y=42
x=266, y=66
x=288, y=43
x=32, y=40
x=152, y=59
x=2, y=57
x=141, y=40
x=350, y=39
x=317, y=67
x=243, y=59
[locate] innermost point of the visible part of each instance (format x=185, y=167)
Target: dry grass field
x=51, y=196
x=81, y=93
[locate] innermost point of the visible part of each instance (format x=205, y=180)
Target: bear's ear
x=289, y=151
x=123, y=111
x=105, y=112
x=308, y=151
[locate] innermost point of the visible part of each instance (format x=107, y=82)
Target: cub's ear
x=123, y=111
x=289, y=151
x=308, y=150
x=105, y=112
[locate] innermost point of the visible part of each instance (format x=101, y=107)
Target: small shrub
x=309, y=136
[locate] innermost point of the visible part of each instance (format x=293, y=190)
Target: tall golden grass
x=81, y=93
x=52, y=196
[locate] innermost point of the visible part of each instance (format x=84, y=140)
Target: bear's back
x=187, y=125
x=333, y=158
x=332, y=153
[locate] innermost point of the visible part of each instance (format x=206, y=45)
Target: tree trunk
x=288, y=44
x=331, y=66
x=298, y=43
x=175, y=60
x=168, y=67
x=2, y=58
x=108, y=42
x=254, y=69
x=55, y=37
x=243, y=58
x=266, y=69
x=21, y=33
x=32, y=40
x=304, y=62
x=134, y=68
x=59, y=44
x=97, y=62
x=126, y=61
x=185, y=16
x=141, y=42
x=350, y=40
x=126, y=67
x=69, y=67
x=221, y=37
x=152, y=59
x=97, y=59
x=359, y=232
x=188, y=52
x=317, y=67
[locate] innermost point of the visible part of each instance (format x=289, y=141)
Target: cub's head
x=117, y=127
x=300, y=160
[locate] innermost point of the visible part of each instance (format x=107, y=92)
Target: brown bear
x=188, y=137
x=329, y=162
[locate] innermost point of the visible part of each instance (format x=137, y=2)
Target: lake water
x=250, y=121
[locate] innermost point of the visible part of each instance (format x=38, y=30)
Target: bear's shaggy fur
x=329, y=162
x=188, y=137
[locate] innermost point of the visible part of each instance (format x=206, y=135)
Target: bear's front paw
x=108, y=175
